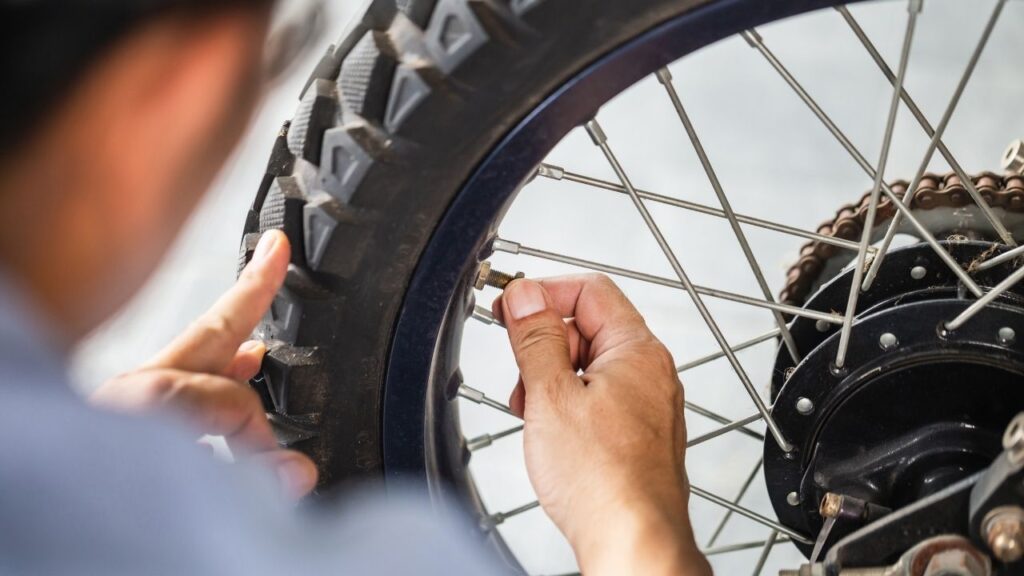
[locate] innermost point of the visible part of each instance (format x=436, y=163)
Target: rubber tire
x=390, y=125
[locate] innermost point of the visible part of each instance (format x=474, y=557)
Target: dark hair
x=45, y=46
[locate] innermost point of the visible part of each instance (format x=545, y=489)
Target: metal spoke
x=755, y=40
x=943, y=123
x=740, y=547
x=723, y=430
x=665, y=77
x=714, y=416
x=474, y=395
x=484, y=315
x=914, y=8
x=926, y=126
x=739, y=496
x=558, y=173
x=1004, y=257
x=517, y=248
x=770, y=335
x=987, y=299
x=601, y=141
x=768, y=544
x=750, y=514
x=485, y=440
x=499, y=517
x=479, y=397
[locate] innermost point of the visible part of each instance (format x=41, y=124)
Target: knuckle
x=153, y=384
x=539, y=335
x=662, y=357
x=600, y=279
x=214, y=326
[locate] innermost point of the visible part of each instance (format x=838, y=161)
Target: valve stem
x=488, y=276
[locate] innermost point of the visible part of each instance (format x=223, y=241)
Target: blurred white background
x=774, y=160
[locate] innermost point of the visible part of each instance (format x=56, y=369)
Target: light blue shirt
x=87, y=492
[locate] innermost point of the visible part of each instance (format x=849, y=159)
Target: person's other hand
x=202, y=375
x=604, y=432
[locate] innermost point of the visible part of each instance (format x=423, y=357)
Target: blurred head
x=120, y=114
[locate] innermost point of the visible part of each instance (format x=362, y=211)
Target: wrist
x=641, y=537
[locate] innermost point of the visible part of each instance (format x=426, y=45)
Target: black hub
x=916, y=408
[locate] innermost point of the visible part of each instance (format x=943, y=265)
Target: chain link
x=934, y=191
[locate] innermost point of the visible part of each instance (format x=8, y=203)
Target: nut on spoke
x=487, y=276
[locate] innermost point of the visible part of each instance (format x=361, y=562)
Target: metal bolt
x=1004, y=533
x=793, y=499
x=804, y=406
x=1007, y=335
x=918, y=272
x=830, y=505
x=822, y=326
x=487, y=276
x=888, y=341
x=1013, y=158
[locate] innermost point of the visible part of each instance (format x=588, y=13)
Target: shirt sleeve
x=89, y=493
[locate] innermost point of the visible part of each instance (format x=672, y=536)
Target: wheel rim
x=421, y=427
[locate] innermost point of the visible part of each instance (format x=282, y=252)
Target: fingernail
x=294, y=478
x=251, y=346
x=265, y=245
x=524, y=298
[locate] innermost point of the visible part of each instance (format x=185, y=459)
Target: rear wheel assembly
x=881, y=430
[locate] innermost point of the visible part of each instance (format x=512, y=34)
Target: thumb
x=539, y=337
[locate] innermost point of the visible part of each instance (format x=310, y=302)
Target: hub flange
x=917, y=408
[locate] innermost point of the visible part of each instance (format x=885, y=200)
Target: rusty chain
x=934, y=191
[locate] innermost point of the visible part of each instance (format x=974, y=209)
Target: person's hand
x=202, y=375
x=604, y=448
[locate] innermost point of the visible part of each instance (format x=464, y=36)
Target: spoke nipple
x=487, y=276
x=1013, y=158
x=508, y=246
x=1007, y=335
x=793, y=499
x=482, y=441
x=888, y=341
x=664, y=76
x=804, y=406
x=551, y=171
x=752, y=37
x=918, y=272
x=595, y=131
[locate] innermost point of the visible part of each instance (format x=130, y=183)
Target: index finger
x=210, y=343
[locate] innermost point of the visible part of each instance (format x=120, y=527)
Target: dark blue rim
x=462, y=233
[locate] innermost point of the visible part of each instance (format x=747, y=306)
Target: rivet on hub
x=804, y=406
x=888, y=341
x=918, y=272
x=1007, y=335
x=793, y=499
x=822, y=326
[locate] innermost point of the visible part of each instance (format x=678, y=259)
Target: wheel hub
x=917, y=407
